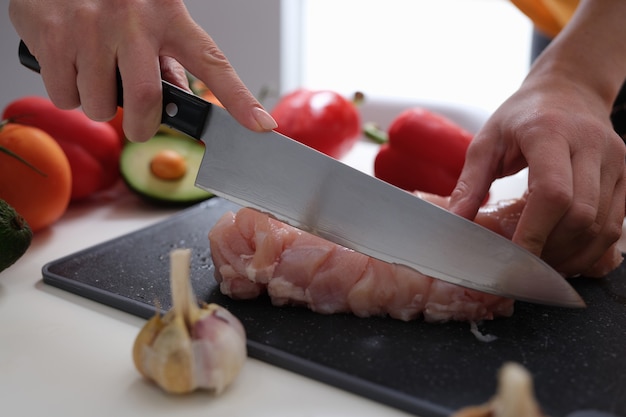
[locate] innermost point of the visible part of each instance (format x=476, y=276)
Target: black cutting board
x=577, y=357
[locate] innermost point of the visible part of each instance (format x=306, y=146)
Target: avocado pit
x=168, y=165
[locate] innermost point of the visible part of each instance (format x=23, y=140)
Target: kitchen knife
x=318, y=194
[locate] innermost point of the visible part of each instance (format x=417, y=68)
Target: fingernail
x=263, y=118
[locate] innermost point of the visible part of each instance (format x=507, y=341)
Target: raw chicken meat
x=255, y=254
x=502, y=218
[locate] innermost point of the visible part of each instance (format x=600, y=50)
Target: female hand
x=576, y=177
x=80, y=43
x=558, y=124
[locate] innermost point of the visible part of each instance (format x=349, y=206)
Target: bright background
x=464, y=51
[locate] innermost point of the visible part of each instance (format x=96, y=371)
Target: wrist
x=589, y=53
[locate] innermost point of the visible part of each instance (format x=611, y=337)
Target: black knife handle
x=182, y=111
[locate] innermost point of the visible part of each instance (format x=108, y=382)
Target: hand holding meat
x=79, y=43
x=576, y=184
x=558, y=124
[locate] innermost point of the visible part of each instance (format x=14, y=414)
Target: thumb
x=465, y=200
x=473, y=183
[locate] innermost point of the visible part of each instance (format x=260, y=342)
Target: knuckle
x=145, y=93
x=87, y=13
x=534, y=242
x=613, y=232
x=242, y=95
x=461, y=189
x=547, y=122
x=584, y=217
x=557, y=196
x=214, y=56
x=99, y=113
x=64, y=100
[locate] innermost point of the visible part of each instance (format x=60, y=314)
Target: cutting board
x=577, y=357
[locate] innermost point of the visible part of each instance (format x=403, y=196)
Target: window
x=473, y=52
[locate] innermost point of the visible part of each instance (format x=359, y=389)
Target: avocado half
x=135, y=169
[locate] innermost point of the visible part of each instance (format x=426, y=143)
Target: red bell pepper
x=424, y=151
x=323, y=120
x=92, y=148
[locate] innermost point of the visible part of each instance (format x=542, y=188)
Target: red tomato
x=323, y=120
x=92, y=148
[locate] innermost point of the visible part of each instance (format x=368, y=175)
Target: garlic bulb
x=191, y=346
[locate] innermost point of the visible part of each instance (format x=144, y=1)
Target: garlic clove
x=171, y=360
x=218, y=348
x=515, y=396
x=144, y=340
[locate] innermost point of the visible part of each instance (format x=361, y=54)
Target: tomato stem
x=358, y=98
x=265, y=93
x=22, y=160
x=16, y=156
x=375, y=133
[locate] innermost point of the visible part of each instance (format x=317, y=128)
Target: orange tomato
x=200, y=89
x=35, y=175
x=93, y=148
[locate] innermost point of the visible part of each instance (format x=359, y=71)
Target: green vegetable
x=15, y=235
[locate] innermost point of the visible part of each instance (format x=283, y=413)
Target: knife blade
x=318, y=194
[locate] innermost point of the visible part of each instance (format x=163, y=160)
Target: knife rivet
x=171, y=109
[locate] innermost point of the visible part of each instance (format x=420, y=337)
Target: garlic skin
x=190, y=347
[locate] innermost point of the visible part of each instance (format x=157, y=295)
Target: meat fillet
x=255, y=254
